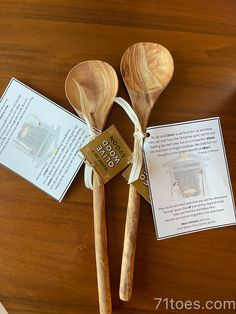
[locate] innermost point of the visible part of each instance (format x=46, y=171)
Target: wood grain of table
x=47, y=261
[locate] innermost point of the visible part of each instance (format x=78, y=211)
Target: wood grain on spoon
x=92, y=86
x=98, y=84
x=146, y=69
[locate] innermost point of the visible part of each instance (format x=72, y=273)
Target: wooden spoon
x=92, y=85
x=146, y=69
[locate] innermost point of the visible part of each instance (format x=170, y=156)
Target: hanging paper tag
x=190, y=188
x=141, y=185
x=39, y=140
x=108, y=154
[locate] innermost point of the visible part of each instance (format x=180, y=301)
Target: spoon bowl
x=146, y=69
x=92, y=84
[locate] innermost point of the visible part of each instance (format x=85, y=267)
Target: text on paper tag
x=108, y=154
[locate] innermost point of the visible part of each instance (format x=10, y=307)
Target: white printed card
x=189, y=179
x=40, y=140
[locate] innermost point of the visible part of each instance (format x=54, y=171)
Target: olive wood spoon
x=146, y=69
x=92, y=85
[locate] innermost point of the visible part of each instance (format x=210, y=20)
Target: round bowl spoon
x=146, y=69
x=91, y=87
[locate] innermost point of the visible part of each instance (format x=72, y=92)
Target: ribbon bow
x=139, y=136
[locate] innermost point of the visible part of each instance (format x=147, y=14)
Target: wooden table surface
x=47, y=261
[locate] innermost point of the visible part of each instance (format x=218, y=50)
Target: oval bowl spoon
x=92, y=85
x=146, y=69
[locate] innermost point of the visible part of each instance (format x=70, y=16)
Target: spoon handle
x=129, y=249
x=100, y=234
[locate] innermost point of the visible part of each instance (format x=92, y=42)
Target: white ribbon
x=88, y=170
x=139, y=136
